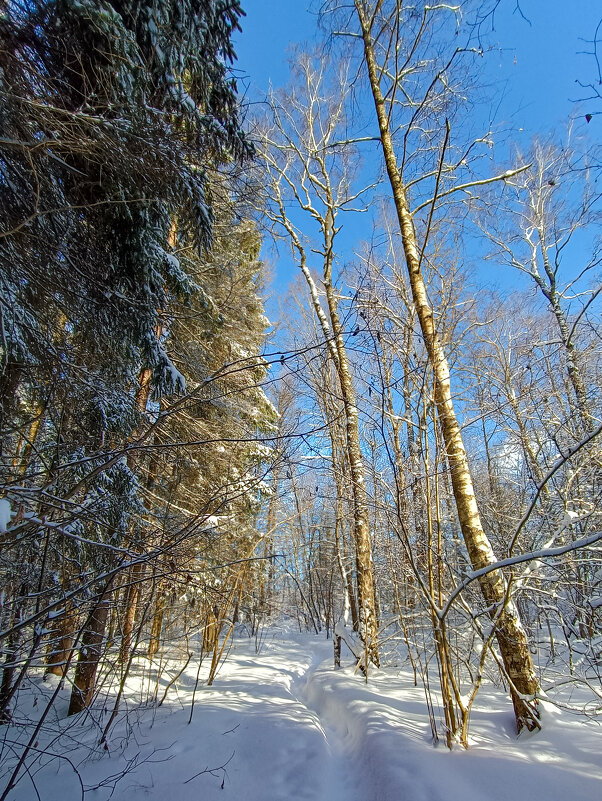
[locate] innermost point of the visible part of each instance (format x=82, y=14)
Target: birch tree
x=407, y=60
x=308, y=165
x=546, y=226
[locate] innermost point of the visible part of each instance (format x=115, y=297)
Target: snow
x=209, y=523
x=5, y=514
x=176, y=380
x=279, y=723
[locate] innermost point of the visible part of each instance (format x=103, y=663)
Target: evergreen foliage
x=114, y=113
x=131, y=408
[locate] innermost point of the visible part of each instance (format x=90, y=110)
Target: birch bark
x=511, y=636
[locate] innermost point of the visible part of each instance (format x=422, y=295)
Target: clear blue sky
x=268, y=30
x=538, y=63
x=534, y=71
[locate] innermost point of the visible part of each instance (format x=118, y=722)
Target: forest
x=399, y=465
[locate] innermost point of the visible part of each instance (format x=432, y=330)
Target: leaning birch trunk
x=572, y=366
x=346, y=578
x=316, y=137
x=368, y=622
x=511, y=637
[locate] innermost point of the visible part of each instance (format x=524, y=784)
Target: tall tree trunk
x=363, y=548
x=157, y=624
x=84, y=683
x=368, y=622
x=511, y=637
x=61, y=643
x=132, y=599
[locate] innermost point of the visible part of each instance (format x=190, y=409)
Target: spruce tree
x=115, y=116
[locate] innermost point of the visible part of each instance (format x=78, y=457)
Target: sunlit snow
x=5, y=514
x=279, y=723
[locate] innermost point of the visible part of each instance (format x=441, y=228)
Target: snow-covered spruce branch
x=51, y=610
x=66, y=532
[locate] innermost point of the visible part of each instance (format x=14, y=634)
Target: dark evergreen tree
x=112, y=114
x=114, y=117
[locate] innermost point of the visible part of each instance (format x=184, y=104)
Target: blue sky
x=537, y=66
x=534, y=70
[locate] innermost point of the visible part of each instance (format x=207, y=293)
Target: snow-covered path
x=281, y=724
x=258, y=718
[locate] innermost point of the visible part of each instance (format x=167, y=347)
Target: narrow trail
x=298, y=753
x=338, y=773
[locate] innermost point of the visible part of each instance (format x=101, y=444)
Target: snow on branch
x=543, y=553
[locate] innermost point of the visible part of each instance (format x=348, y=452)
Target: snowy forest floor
x=282, y=724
